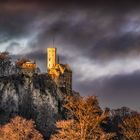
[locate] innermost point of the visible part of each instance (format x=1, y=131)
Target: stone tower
x=60, y=73
x=51, y=58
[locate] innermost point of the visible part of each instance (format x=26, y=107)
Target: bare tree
x=85, y=123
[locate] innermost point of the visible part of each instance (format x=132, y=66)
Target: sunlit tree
x=20, y=129
x=85, y=121
x=131, y=127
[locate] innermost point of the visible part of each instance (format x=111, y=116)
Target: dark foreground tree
x=19, y=129
x=131, y=127
x=85, y=122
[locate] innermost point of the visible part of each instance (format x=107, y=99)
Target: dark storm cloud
x=13, y=24
x=118, y=90
x=117, y=47
x=98, y=30
x=94, y=32
x=92, y=28
x=16, y=18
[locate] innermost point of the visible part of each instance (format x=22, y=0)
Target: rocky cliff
x=36, y=98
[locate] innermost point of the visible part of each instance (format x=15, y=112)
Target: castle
x=60, y=73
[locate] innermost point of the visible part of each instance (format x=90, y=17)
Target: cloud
x=115, y=91
x=92, y=33
x=99, y=39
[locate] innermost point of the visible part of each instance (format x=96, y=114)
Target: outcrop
x=36, y=97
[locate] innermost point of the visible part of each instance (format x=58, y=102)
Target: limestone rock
x=36, y=98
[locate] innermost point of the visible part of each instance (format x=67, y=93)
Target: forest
x=85, y=121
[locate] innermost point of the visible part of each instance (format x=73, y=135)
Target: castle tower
x=60, y=73
x=51, y=57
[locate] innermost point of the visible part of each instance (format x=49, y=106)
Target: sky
x=100, y=40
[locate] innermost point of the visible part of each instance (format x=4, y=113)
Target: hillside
x=36, y=98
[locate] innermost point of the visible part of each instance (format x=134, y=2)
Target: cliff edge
x=36, y=97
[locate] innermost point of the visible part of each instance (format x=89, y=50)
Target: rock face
x=36, y=98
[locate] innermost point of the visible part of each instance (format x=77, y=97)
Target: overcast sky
x=99, y=40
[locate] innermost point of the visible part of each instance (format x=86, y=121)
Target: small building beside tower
x=60, y=73
x=26, y=67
